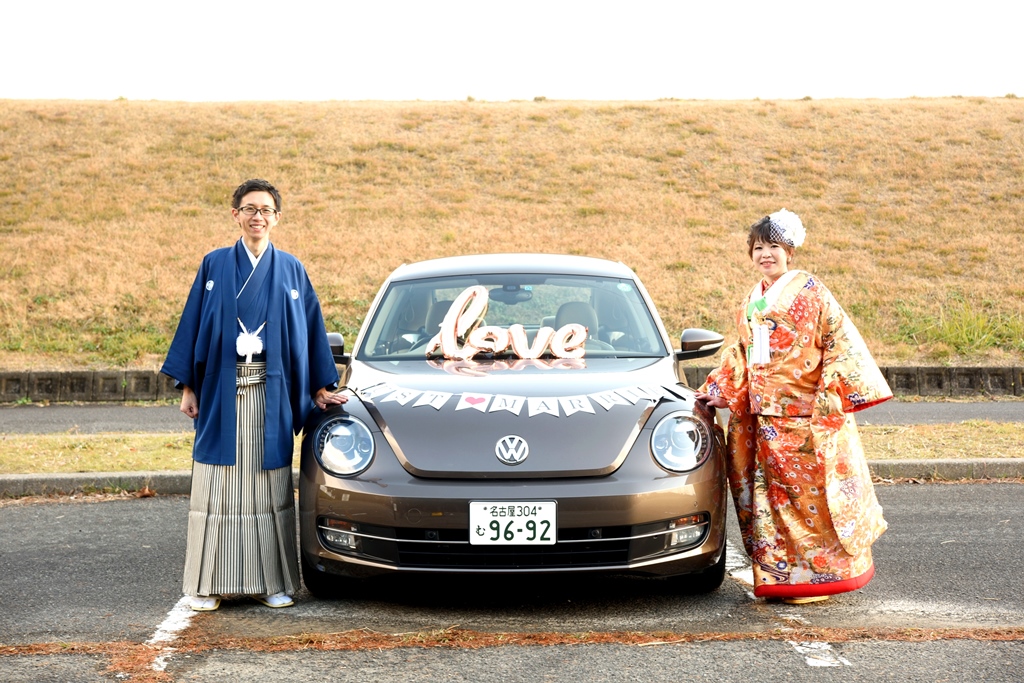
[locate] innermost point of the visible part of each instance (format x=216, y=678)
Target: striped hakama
x=241, y=520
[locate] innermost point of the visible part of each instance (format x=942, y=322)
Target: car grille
x=559, y=555
x=449, y=549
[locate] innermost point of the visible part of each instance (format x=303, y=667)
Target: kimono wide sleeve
x=729, y=379
x=850, y=381
x=850, y=378
x=180, y=361
x=323, y=371
x=202, y=357
x=197, y=346
x=315, y=364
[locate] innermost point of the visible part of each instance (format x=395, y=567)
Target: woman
x=800, y=482
x=252, y=357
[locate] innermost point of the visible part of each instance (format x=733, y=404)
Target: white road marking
x=819, y=654
x=794, y=616
x=737, y=564
x=177, y=620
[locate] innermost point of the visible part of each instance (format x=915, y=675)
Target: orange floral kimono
x=799, y=479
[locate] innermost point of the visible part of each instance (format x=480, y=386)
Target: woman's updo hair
x=782, y=227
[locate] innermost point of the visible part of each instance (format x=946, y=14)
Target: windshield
x=617, y=321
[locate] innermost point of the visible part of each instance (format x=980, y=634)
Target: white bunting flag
x=674, y=392
x=537, y=406
x=513, y=404
x=373, y=392
x=633, y=394
x=474, y=401
x=401, y=396
x=434, y=399
x=656, y=392
x=575, y=404
x=549, y=405
x=607, y=399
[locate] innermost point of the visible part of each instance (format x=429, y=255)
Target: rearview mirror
x=510, y=295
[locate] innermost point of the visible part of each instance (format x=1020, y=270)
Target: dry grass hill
x=913, y=208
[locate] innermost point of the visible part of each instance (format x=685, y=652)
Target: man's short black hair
x=255, y=185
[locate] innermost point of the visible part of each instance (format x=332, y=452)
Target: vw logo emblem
x=511, y=449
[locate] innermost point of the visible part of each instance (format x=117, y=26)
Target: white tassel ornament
x=249, y=343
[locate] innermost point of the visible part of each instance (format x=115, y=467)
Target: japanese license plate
x=518, y=523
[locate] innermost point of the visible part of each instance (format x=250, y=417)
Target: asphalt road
x=96, y=418
x=77, y=573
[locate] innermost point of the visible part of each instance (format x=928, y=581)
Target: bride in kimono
x=792, y=381
x=252, y=358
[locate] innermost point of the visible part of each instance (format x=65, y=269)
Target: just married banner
x=530, y=406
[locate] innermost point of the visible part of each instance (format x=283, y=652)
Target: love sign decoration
x=463, y=322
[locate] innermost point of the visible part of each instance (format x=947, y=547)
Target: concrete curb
x=949, y=469
x=170, y=483
x=17, y=485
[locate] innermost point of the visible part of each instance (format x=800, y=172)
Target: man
x=252, y=357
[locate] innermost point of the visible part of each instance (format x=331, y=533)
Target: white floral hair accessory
x=785, y=226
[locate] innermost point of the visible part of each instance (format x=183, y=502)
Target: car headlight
x=343, y=446
x=681, y=443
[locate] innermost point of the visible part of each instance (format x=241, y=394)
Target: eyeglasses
x=251, y=211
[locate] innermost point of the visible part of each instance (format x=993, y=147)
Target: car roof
x=496, y=264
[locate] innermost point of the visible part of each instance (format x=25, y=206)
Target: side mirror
x=337, y=343
x=698, y=343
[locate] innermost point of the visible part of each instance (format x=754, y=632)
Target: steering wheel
x=598, y=345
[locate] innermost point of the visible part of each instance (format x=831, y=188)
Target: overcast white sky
x=564, y=50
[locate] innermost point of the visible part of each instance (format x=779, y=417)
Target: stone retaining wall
x=143, y=385
x=86, y=386
x=932, y=381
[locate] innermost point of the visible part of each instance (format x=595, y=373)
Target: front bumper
x=394, y=522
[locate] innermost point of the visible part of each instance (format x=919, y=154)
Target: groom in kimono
x=252, y=358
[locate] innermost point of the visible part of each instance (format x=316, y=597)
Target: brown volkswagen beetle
x=514, y=413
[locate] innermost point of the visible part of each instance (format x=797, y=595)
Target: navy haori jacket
x=203, y=353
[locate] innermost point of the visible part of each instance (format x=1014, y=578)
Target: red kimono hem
x=870, y=404
x=809, y=590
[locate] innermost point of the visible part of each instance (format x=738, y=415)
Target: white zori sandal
x=806, y=600
x=204, y=603
x=276, y=600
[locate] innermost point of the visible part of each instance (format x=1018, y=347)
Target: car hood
x=577, y=419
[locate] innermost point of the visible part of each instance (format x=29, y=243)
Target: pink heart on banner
x=475, y=400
